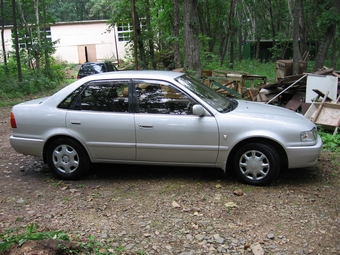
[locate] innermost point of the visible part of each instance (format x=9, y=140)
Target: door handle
x=75, y=122
x=145, y=126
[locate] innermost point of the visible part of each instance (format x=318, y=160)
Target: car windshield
x=215, y=100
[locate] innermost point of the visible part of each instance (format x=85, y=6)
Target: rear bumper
x=300, y=157
x=27, y=146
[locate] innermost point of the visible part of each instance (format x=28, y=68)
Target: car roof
x=93, y=63
x=136, y=74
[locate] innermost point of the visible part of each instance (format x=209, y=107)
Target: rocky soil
x=163, y=210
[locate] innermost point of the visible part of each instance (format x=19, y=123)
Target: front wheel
x=67, y=159
x=257, y=164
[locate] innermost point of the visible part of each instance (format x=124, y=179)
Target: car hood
x=269, y=113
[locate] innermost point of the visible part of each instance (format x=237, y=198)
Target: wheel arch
x=53, y=138
x=280, y=150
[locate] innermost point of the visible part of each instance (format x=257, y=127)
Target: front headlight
x=309, y=136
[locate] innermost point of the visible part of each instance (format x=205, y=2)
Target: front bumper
x=306, y=156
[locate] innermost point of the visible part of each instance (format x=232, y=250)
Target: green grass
x=20, y=236
x=267, y=69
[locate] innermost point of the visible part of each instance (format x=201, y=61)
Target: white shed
x=81, y=41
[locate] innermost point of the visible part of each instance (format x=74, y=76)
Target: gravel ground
x=163, y=210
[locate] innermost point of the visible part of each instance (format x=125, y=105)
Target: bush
x=32, y=83
x=330, y=142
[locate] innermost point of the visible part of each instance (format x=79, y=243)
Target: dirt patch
x=164, y=210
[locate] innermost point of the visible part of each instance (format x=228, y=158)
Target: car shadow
x=147, y=172
x=112, y=172
x=301, y=176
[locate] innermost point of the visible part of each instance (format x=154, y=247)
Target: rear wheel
x=67, y=159
x=257, y=164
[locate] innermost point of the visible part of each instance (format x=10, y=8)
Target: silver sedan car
x=161, y=118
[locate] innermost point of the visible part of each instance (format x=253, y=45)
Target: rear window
x=92, y=68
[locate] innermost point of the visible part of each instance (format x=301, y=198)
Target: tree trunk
x=258, y=32
x=16, y=41
x=258, y=42
x=192, y=61
x=46, y=55
x=177, y=54
x=296, y=33
x=3, y=36
x=324, y=45
x=151, y=45
x=231, y=62
x=140, y=43
x=303, y=32
x=228, y=31
x=272, y=19
x=36, y=48
x=239, y=44
x=327, y=38
x=28, y=37
x=232, y=42
x=134, y=18
x=333, y=56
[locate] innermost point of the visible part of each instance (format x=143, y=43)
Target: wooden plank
x=336, y=128
x=320, y=108
x=296, y=101
x=336, y=74
x=324, y=71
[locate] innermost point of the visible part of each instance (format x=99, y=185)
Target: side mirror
x=198, y=109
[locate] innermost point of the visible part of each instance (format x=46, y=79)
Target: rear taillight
x=78, y=77
x=13, y=123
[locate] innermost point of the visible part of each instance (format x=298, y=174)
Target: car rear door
x=166, y=129
x=101, y=119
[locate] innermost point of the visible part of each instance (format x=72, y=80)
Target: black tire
x=257, y=164
x=67, y=159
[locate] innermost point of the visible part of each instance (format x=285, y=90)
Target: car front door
x=166, y=129
x=101, y=119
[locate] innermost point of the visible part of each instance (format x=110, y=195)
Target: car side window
x=105, y=96
x=162, y=98
x=71, y=99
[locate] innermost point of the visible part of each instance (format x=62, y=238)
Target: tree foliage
x=223, y=27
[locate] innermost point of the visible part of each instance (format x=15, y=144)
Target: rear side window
x=67, y=102
x=107, y=96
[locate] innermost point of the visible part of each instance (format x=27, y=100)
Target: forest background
x=193, y=34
